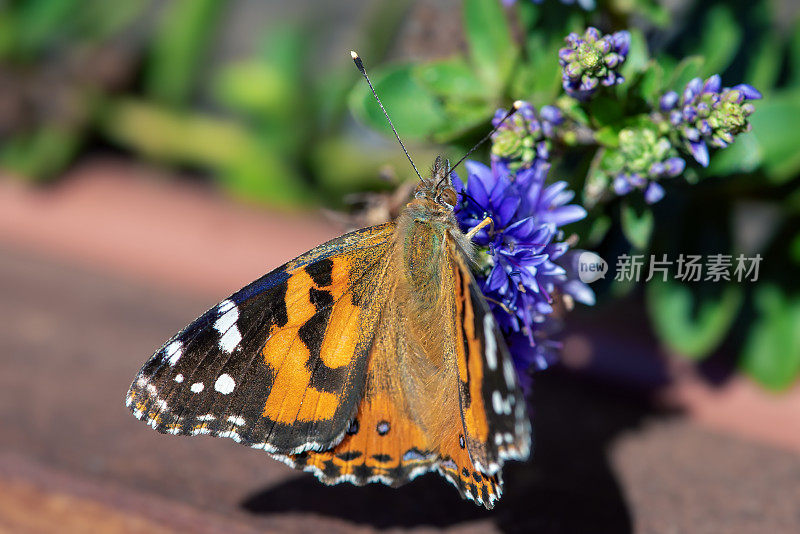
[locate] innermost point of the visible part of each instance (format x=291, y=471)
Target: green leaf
x=98, y=20
x=765, y=65
x=598, y=229
x=774, y=129
x=416, y=113
x=492, y=50
x=743, y=156
x=650, y=85
x=243, y=166
x=771, y=353
x=539, y=79
x=638, y=55
x=340, y=165
x=692, y=323
x=39, y=22
x=252, y=87
x=463, y=117
x=720, y=39
x=260, y=175
x=658, y=14
x=637, y=224
x=285, y=48
x=794, y=248
x=42, y=154
x=794, y=56
x=176, y=55
x=605, y=111
x=164, y=134
x=451, y=78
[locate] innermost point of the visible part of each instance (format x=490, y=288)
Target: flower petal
x=699, y=152
x=653, y=193
x=564, y=215
x=713, y=84
x=750, y=92
x=579, y=291
x=668, y=101
x=480, y=173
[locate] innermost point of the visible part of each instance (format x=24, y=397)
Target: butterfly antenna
x=516, y=107
x=363, y=71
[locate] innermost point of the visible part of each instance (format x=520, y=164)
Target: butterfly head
x=436, y=193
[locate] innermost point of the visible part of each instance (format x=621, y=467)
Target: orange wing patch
x=299, y=351
x=383, y=444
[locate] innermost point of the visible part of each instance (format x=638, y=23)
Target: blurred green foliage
x=269, y=128
x=273, y=127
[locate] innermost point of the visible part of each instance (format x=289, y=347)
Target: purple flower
x=592, y=60
x=520, y=250
x=705, y=114
x=525, y=137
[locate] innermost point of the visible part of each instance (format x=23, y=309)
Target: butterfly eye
x=448, y=196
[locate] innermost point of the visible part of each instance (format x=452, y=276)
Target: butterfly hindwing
x=280, y=364
x=391, y=439
x=494, y=412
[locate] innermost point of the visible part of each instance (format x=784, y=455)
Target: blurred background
x=157, y=155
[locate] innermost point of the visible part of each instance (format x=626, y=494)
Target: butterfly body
x=373, y=357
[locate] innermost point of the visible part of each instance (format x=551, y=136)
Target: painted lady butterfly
x=371, y=358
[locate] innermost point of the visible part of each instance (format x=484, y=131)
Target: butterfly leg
x=486, y=222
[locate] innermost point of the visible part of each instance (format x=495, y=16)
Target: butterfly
x=373, y=357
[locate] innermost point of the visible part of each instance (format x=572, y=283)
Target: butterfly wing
x=416, y=414
x=280, y=364
x=495, y=418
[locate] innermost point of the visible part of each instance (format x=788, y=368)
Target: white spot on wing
x=509, y=373
x=174, y=351
x=226, y=325
x=230, y=340
x=497, y=401
x=236, y=420
x=178, y=378
x=500, y=405
x=197, y=387
x=224, y=384
x=225, y=305
x=491, y=343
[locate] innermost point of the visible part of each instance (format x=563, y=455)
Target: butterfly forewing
x=279, y=364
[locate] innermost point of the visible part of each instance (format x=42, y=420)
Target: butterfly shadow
x=569, y=485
